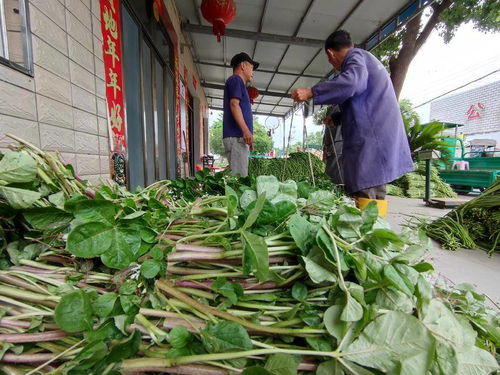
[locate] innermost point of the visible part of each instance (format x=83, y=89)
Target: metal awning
x=287, y=38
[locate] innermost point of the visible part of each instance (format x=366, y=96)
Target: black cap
x=241, y=57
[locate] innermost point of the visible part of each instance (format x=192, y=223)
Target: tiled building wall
x=63, y=107
x=455, y=109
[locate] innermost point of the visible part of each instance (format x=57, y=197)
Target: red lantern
x=219, y=13
x=253, y=93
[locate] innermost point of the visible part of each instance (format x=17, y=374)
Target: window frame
x=27, y=41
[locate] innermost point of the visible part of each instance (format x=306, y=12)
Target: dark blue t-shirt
x=235, y=88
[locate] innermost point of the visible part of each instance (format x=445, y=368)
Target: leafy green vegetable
x=394, y=342
x=74, y=312
x=225, y=337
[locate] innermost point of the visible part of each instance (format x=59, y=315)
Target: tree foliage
x=262, y=142
x=398, y=51
x=315, y=140
x=428, y=137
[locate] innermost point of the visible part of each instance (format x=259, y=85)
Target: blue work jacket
x=375, y=150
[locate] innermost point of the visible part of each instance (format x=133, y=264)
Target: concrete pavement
x=460, y=266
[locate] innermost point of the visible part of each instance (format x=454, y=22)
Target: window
x=15, y=38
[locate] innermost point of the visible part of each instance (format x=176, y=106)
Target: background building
x=65, y=65
x=478, y=109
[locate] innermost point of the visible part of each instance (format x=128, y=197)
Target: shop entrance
x=149, y=97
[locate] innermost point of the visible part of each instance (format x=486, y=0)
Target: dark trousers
x=375, y=192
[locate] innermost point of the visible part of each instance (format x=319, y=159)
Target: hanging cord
x=287, y=145
x=304, y=143
x=341, y=173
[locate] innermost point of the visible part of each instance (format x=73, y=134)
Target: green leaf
x=333, y=324
x=299, y=291
x=443, y=324
x=47, y=218
x=255, y=212
x=284, y=209
x=394, y=342
x=412, y=254
x=125, y=349
x=157, y=253
x=267, y=186
x=19, y=198
x=90, y=240
x=91, y=354
x=353, y=311
x=300, y=229
x=423, y=291
x=17, y=167
x=232, y=291
x=423, y=267
x=326, y=243
x=179, y=337
x=124, y=248
x=232, y=200
x=150, y=268
x=370, y=216
x=282, y=364
x=331, y=367
x=73, y=313
x=256, y=370
x=349, y=222
x=476, y=361
x=397, y=280
x=128, y=287
x=394, y=300
x=98, y=210
x=256, y=255
x=317, y=273
x=130, y=304
x=247, y=197
x=134, y=215
x=106, y=331
x=319, y=344
x=226, y=337
x=104, y=304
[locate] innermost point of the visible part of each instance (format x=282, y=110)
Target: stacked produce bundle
x=412, y=185
x=475, y=224
x=266, y=278
x=297, y=166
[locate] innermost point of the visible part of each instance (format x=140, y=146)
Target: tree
x=398, y=51
x=428, y=137
x=261, y=141
x=315, y=140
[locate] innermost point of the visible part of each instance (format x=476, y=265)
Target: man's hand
x=248, y=139
x=301, y=95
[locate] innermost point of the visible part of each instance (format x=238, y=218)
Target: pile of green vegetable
x=298, y=166
x=474, y=224
x=412, y=185
x=267, y=278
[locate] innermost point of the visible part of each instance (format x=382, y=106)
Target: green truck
x=481, y=167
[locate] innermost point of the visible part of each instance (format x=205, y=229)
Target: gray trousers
x=237, y=155
x=376, y=192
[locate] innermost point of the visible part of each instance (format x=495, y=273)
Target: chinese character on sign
x=475, y=112
x=115, y=118
x=112, y=51
x=110, y=24
x=113, y=82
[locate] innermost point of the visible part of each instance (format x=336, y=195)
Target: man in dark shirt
x=237, y=126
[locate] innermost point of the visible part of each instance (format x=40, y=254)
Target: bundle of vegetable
x=296, y=281
x=475, y=224
x=413, y=184
x=296, y=167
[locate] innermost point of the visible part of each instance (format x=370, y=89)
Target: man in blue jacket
x=375, y=150
x=237, y=124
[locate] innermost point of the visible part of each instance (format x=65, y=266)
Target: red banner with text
x=112, y=53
